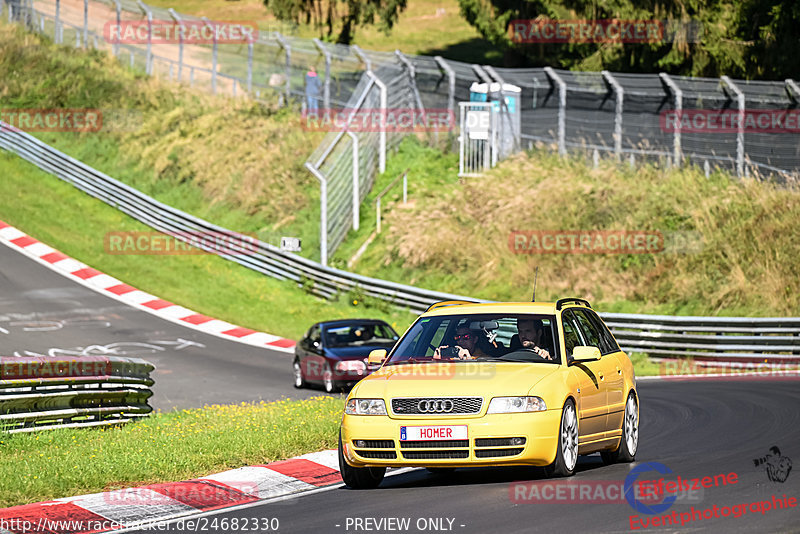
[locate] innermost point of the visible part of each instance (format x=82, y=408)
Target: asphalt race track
x=43, y=312
x=695, y=428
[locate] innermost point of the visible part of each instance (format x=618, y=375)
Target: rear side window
x=607, y=342
x=590, y=332
x=571, y=339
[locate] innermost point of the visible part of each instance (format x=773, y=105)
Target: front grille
x=434, y=455
x=377, y=455
x=460, y=405
x=489, y=453
x=374, y=443
x=497, y=442
x=434, y=444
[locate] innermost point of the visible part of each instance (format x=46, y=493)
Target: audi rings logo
x=435, y=406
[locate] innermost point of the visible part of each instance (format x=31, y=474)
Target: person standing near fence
x=312, y=90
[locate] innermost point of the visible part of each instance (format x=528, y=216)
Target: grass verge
x=741, y=253
x=166, y=447
x=65, y=218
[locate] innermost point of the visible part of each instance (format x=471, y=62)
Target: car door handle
x=619, y=371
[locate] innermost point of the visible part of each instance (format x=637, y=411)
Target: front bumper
x=540, y=430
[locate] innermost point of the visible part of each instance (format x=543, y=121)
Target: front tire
x=297, y=371
x=629, y=442
x=567, y=452
x=359, y=477
x=328, y=383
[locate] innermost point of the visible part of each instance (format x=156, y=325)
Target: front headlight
x=365, y=407
x=516, y=405
x=357, y=366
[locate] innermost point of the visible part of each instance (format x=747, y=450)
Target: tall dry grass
x=748, y=261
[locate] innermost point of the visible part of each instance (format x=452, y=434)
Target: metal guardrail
x=744, y=339
x=776, y=339
x=259, y=256
x=38, y=393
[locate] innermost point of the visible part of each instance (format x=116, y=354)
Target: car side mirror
x=376, y=356
x=584, y=353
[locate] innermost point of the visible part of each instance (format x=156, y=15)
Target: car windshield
x=479, y=337
x=359, y=334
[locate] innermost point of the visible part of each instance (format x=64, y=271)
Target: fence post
x=323, y=213
x=326, y=87
x=412, y=78
x=382, y=133
x=250, y=46
x=148, y=63
x=792, y=90
x=86, y=24
x=677, y=96
x=213, y=56
x=356, y=188
x=555, y=79
x=727, y=82
x=177, y=18
x=287, y=49
x=619, y=94
x=59, y=36
x=118, y=8
x=362, y=56
x=451, y=88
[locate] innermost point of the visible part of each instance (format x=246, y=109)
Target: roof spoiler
x=446, y=303
x=560, y=302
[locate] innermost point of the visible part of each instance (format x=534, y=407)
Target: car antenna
x=535, y=277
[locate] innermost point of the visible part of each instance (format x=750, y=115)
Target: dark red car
x=333, y=354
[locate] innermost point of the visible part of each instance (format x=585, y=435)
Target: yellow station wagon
x=470, y=385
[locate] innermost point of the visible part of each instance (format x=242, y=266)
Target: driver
x=467, y=344
x=531, y=336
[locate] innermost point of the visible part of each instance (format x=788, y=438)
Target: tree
x=741, y=38
x=343, y=16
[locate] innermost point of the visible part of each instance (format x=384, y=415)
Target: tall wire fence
x=620, y=115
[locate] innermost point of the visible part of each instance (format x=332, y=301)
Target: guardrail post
x=326, y=87
x=323, y=213
x=727, y=82
x=177, y=18
x=382, y=133
x=287, y=49
x=148, y=62
x=619, y=94
x=213, y=55
x=555, y=79
x=86, y=23
x=451, y=88
x=677, y=95
x=356, y=188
